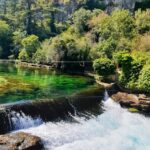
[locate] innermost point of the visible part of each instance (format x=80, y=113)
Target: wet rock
x=125, y=98
x=140, y=102
x=20, y=141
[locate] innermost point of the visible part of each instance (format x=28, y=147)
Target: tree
x=23, y=56
x=104, y=66
x=123, y=24
x=80, y=20
x=5, y=39
x=31, y=44
x=144, y=78
x=141, y=43
x=142, y=19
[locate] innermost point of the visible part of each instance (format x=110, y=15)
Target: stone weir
x=48, y=110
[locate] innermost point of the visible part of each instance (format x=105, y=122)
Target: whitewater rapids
x=115, y=129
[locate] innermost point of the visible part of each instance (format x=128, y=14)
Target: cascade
x=115, y=129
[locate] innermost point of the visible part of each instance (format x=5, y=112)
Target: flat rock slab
x=20, y=141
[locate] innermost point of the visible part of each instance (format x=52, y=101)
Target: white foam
x=21, y=121
x=115, y=129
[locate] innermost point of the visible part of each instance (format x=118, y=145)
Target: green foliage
x=80, y=19
x=5, y=33
x=144, y=78
x=143, y=20
x=141, y=43
x=41, y=55
x=141, y=56
x=63, y=51
x=23, y=56
x=107, y=47
x=56, y=32
x=113, y=33
x=30, y=44
x=123, y=23
x=123, y=59
x=17, y=38
x=104, y=66
x=130, y=69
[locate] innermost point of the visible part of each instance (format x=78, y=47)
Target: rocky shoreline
x=134, y=102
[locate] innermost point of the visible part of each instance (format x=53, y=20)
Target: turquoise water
x=20, y=83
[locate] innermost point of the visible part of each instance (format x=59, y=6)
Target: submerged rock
x=20, y=141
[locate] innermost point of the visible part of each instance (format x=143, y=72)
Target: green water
x=21, y=84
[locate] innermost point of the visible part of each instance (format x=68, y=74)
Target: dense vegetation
x=40, y=32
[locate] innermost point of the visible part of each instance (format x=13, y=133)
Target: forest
x=54, y=32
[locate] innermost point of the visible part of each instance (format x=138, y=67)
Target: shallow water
x=115, y=129
x=20, y=83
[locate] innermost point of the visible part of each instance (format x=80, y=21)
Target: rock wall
x=120, y=4
x=71, y=5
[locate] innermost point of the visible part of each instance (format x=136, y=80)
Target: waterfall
x=21, y=121
x=115, y=129
x=106, y=96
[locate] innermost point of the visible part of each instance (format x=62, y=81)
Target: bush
x=123, y=24
x=141, y=43
x=5, y=39
x=23, y=56
x=104, y=66
x=144, y=78
x=80, y=20
x=31, y=44
x=123, y=58
x=107, y=47
x=142, y=20
x=141, y=56
x=130, y=69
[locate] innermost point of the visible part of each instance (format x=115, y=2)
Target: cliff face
x=67, y=8
x=120, y=4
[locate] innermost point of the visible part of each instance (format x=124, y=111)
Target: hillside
x=107, y=36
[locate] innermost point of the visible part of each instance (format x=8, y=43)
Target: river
x=115, y=129
x=21, y=83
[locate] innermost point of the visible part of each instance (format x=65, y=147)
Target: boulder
x=125, y=98
x=20, y=141
x=140, y=102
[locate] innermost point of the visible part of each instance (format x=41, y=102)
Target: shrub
x=5, y=39
x=104, y=66
x=122, y=58
x=142, y=20
x=80, y=19
x=142, y=43
x=123, y=23
x=23, y=56
x=31, y=44
x=141, y=56
x=107, y=47
x=130, y=69
x=144, y=78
